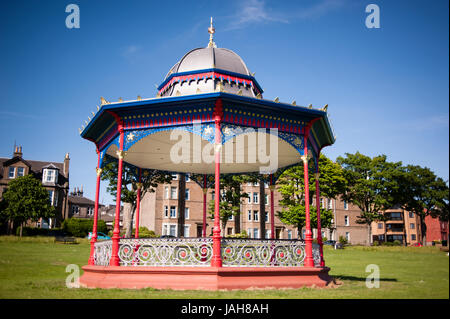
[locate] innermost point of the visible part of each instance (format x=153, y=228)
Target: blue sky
x=387, y=88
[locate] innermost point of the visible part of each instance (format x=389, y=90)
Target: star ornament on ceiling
x=208, y=130
x=227, y=131
x=130, y=137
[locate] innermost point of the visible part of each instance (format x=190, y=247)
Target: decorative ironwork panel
x=102, y=252
x=165, y=252
x=262, y=253
x=198, y=252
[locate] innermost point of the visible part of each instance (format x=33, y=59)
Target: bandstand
x=210, y=107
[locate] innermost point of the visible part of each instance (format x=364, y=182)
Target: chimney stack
x=66, y=165
x=17, y=151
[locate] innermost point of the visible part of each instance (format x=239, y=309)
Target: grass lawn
x=35, y=267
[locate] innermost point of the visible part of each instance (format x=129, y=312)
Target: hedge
x=78, y=227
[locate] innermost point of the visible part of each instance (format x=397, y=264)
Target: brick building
x=53, y=175
x=437, y=230
x=401, y=225
x=159, y=212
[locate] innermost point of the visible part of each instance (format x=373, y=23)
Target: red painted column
x=94, y=227
x=216, y=259
x=309, y=261
x=272, y=208
x=205, y=191
x=319, y=227
x=138, y=204
x=116, y=233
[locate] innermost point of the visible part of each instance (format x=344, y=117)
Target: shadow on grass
x=353, y=278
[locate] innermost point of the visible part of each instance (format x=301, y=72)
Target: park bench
x=65, y=240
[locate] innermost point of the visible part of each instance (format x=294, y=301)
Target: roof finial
x=211, y=31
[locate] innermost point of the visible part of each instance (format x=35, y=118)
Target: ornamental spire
x=211, y=31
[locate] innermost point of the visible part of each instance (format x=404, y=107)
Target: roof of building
x=80, y=200
x=35, y=166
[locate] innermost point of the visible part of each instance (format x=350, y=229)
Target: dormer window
x=50, y=175
x=20, y=171
x=12, y=172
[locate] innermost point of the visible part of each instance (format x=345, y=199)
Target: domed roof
x=210, y=69
x=208, y=58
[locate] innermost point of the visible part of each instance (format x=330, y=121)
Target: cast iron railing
x=198, y=252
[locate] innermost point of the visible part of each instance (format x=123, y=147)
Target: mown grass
x=35, y=267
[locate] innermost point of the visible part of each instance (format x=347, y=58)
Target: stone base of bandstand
x=203, y=278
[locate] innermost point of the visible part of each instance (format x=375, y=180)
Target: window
x=255, y=198
x=396, y=216
x=266, y=199
x=188, y=179
x=322, y=203
x=380, y=225
x=266, y=185
x=289, y=234
x=266, y=217
x=347, y=236
x=75, y=210
x=173, y=193
x=345, y=205
x=20, y=171
x=255, y=233
x=186, y=213
x=256, y=184
x=12, y=171
x=90, y=211
x=249, y=215
x=231, y=217
x=267, y=235
x=166, y=211
x=187, y=195
x=175, y=177
x=50, y=176
x=169, y=229
x=213, y=195
x=249, y=199
x=173, y=212
x=255, y=215
x=330, y=204
x=413, y=236
x=166, y=192
x=411, y=215
x=50, y=195
x=229, y=230
x=249, y=232
x=412, y=226
x=186, y=230
x=346, y=220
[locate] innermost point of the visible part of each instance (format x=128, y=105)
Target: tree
x=423, y=193
x=292, y=189
x=26, y=199
x=130, y=179
x=373, y=186
x=230, y=199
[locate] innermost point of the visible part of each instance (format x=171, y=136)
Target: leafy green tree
x=291, y=186
x=423, y=193
x=130, y=178
x=26, y=199
x=373, y=185
x=230, y=199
